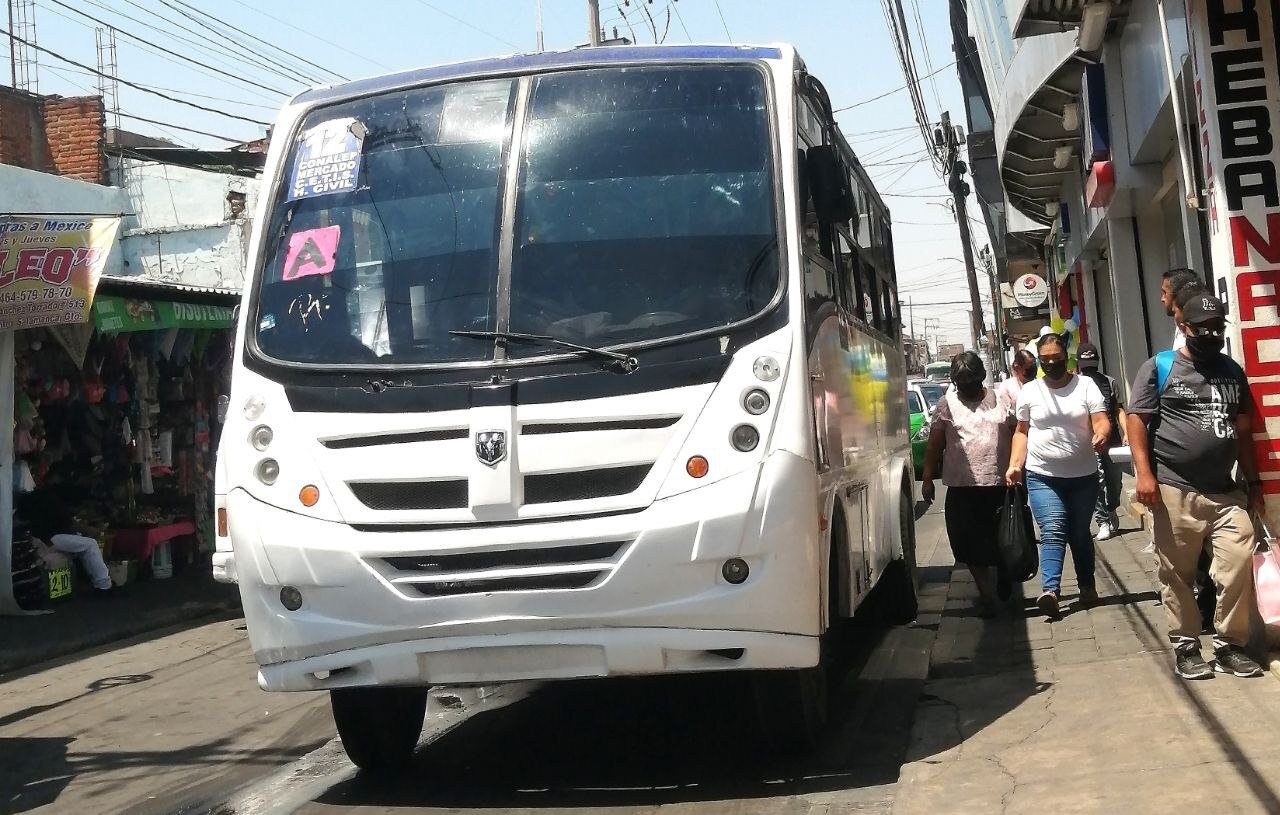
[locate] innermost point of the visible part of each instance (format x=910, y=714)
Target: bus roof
x=549, y=60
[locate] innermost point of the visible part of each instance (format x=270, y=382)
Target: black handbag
x=1016, y=536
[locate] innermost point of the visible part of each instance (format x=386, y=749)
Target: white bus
x=565, y=365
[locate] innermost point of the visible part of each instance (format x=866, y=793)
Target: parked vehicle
x=922, y=397
x=565, y=365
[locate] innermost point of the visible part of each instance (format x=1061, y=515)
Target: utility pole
x=911, y=318
x=593, y=20
x=997, y=313
x=947, y=138
x=538, y=12
x=13, y=51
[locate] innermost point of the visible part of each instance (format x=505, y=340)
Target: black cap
x=1203, y=309
x=1087, y=355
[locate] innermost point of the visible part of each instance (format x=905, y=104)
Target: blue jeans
x=1062, y=508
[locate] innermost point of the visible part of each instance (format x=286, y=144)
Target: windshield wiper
x=624, y=362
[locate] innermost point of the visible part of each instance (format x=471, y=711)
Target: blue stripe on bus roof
x=521, y=63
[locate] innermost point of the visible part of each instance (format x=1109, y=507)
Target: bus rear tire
x=897, y=590
x=379, y=727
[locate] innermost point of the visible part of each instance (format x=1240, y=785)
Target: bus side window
x=850, y=294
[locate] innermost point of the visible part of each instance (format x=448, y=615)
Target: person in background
x=973, y=424
x=1172, y=283
x=57, y=530
x=1109, y=478
x=1062, y=424
x=1023, y=369
x=1189, y=427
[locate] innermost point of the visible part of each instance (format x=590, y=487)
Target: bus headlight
x=268, y=470
x=253, y=407
x=755, y=402
x=766, y=369
x=745, y=438
x=260, y=437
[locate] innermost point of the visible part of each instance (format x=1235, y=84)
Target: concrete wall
x=165, y=196
x=194, y=256
x=23, y=190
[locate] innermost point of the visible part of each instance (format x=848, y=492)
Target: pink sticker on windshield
x=313, y=252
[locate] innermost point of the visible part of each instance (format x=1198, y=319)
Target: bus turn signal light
x=222, y=522
x=309, y=496
x=697, y=466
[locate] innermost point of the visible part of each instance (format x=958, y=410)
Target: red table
x=140, y=542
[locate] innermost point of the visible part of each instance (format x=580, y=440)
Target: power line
x=895, y=90
x=255, y=38
x=200, y=43
x=471, y=26
x=720, y=11
x=133, y=36
x=181, y=127
x=313, y=35
x=680, y=18
x=133, y=85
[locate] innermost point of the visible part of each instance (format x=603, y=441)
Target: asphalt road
x=176, y=724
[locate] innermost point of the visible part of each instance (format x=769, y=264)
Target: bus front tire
x=379, y=727
x=792, y=708
x=898, y=600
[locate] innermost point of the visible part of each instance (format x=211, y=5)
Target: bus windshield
x=644, y=210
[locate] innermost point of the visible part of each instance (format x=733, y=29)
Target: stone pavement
x=1083, y=714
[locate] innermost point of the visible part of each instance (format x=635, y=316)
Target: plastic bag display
x=1266, y=575
x=1016, y=536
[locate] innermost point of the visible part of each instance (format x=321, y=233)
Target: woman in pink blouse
x=975, y=426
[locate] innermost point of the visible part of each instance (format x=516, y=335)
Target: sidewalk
x=82, y=623
x=1084, y=714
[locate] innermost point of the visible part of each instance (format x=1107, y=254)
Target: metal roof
x=164, y=290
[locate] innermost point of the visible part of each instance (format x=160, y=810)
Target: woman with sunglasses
x=1062, y=423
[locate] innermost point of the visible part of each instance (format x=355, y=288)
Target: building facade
x=1132, y=138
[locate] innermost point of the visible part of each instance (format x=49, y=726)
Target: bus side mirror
x=829, y=184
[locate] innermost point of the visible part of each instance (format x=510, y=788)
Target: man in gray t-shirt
x=1189, y=427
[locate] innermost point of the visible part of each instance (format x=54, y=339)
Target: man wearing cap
x=1189, y=427
x=1109, y=481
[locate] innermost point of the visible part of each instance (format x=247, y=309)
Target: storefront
x=115, y=431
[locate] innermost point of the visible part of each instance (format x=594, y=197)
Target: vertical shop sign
x=49, y=268
x=1237, y=84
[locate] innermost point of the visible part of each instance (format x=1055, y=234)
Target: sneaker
x=1088, y=598
x=1048, y=605
x=1188, y=664
x=1231, y=659
x=1115, y=523
x=1105, y=531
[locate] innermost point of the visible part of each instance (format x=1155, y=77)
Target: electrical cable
x=232, y=139
x=133, y=85
x=313, y=35
x=133, y=36
x=720, y=11
x=254, y=37
x=890, y=92
x=471, y=26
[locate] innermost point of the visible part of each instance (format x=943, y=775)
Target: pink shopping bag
x=1266, y=575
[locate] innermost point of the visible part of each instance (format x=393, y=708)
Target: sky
x=845, y=44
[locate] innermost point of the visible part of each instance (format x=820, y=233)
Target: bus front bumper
x=664, y=606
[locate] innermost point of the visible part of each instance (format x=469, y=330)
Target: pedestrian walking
x=1109, y=478
x=1023, y=370
x=1062, y=424
x=974, y=425
x=1189, y=427
x=1173, y=283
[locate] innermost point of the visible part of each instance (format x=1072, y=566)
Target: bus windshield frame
x=496, y=249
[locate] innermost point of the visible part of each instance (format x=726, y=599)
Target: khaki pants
x=1186, y=522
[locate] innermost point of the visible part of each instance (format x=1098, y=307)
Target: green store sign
x=113, y=315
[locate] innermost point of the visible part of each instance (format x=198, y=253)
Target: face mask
x=1205, y=346
x=1054, y=370
x=969, y=390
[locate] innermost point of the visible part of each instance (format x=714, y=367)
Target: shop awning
x=126, y=305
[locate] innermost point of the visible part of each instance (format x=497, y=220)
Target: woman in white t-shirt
x=1062, y=422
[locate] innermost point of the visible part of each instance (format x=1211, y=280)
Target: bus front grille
x=533, y=569
x=582, y=485
x=401, y=495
